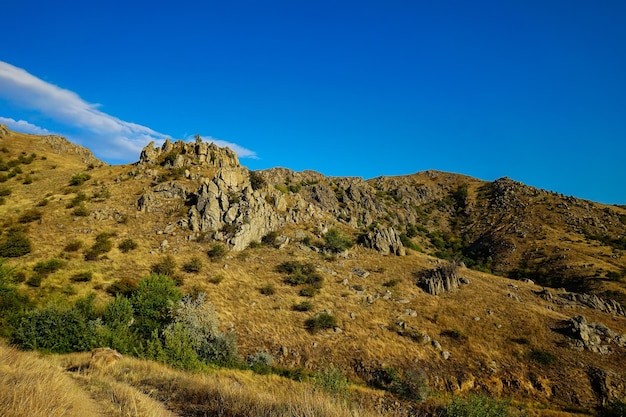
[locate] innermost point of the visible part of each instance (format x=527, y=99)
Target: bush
x=82, y=276
x=308, y=291
x=48, y=267
x=30, y=216
x=198, y=316
x=73, y=246
x=257, y=181
x=477, y=406
x=55, y=330
x=217, y=252
x=542, y=357
x=101, y=246
x=300, y=273
x=78, y=198
x=269, y=239
x=117, y=317
x=331, y=380
x=321, y=321
x=194, y=266
x=14, y=244
x=614, y=408
x=127, y=245
x=152, y=300
x=261, y=362
x=303, y=306
x=167, y=266
x=267, y=289
x=5, y=192
x=337, y=242
x=81, y=211
x=79, y=179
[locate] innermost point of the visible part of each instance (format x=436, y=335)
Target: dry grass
x=33, y=387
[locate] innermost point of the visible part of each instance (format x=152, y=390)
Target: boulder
x=386, y=241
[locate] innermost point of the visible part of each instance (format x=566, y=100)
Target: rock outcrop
x=4, y=130
x=440, y=280
x=595, y=337
x=182, y=154
x=386, y=241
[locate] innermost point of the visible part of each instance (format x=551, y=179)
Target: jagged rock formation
x=440, y=280
x=386, y=241
x=181, y=154
x=587, y=300
x=595, y=337
x=4, y=130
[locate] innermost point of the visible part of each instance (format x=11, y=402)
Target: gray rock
x=386, y=241
x=445, y=354
x=442, y=279
x=361, y=273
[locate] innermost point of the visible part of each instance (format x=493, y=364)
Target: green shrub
x=336, y=241
x=194, y=266
x=303, y=306
x=300, y=273
x=81, y=211
x=27, y=180
x=14, y=244
x=269, y=239
x=267, y=289
x=82, y=276
x=116, y=332
x=261, y=362
x=331, y=380
x=216, y=279
x=101, y=246
x=127, y=245
x=79, y=179
x=29, y=216
x=308, y=291
x=152, y=300
x=73, y=246
x=4, y=178
x=5, y=192
x=55, y=330
x=217, y=252
x=321, y=321
x=257, y=181
x=48, y=267
x=477, y=406
x=542, y=357
x=78, y=198
x=166, y=266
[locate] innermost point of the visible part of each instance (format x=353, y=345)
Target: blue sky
x=532, y=90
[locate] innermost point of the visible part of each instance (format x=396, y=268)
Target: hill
x=454, y=284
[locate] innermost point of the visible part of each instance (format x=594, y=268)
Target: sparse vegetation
x=477, y=405
x=194, y=265
x=101, y=246
x=267, y=289
x=217, y=252
x=337, y=241
x=127, y=245
x=303, y=306
x=30, y=216
x=321, y=321
x=257, y=181
x=14, y=243
x=73, y=246
x=79, y=179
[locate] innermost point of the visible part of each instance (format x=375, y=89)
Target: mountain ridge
x=187, y=200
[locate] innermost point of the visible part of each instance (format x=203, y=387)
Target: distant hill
x=479, y=287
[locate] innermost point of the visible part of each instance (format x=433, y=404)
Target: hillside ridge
x=485, y=287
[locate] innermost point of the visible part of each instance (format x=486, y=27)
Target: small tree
x=337, y=242
x=152, y=300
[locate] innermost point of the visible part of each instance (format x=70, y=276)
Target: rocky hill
x=491, y=287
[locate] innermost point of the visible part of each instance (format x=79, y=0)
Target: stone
x=436, y=345
x=445, y=355
x=385, y=241
x=442, y=279
x=103, y=357
x=361, y=273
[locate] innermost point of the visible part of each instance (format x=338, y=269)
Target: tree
x=152, y=301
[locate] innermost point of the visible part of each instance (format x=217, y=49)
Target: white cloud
x=108, y=136
x=23, y=126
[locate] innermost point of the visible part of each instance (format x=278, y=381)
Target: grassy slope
x=268, y=322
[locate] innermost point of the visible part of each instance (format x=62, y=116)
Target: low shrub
x=217, y=252
x=123, y=286
x=261, y=362
x=303, y=306
x=166, y=266
x=81, y=211
x=127, y=245
x=5, y=192
x=194, y=266
x=331, y=380
x=337, y=242
x=79, y=179
x=82, y=276
x=29, y=216
x=321, y=321
x=101, y=246
x=73, y=246
x=257, y=181
x=267, y=289
x=216, y=279
x=308, y=291
x=45, y=268
x=15, y=243
x=542, y=357
x=615, y=408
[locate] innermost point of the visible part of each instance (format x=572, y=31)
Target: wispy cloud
x=23, y=126
x=108, y=136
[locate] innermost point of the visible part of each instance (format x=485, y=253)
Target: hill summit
x=476, y=287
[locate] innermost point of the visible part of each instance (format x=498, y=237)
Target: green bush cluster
x=127, y=245
x=299, y=273
x=217, y=252
x=14, y=243
x=257, y=181
x=331, y=380
x=45, y=268
x=194, y=265
x=79, y=179
x=101, y=246
x=335, y=241
x=321, y=321
x=477, y=406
